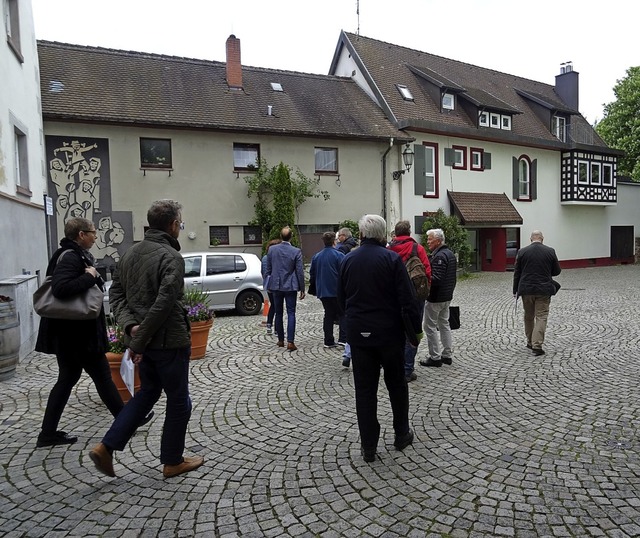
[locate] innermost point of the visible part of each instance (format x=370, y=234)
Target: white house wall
x=24, y=248
x=575, y=231
x=202, y=179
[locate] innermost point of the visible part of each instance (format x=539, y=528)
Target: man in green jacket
x=146, y=296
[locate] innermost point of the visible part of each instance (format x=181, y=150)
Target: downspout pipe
x=384, y=179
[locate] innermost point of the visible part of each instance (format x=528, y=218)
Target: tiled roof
x=103, y=85
x=388, y=64
x=484, y=208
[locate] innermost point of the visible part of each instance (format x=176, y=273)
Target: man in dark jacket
x=146, y=296
x=403, y=244
x=346, y=241
x=373, y=292
x=534, y=267
x=436, y=312
x=323, y=278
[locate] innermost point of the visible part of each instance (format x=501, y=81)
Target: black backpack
x=418, y=274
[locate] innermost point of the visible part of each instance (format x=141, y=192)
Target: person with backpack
x=417, y=263
x=436, y=312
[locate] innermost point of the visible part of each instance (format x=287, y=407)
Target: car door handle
x=195, y=283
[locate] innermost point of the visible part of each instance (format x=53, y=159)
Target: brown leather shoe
x=102, y=459
x=188, y=464
x=280, y=343
x=291, y=346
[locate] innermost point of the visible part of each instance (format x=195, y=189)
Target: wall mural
x=79, y=181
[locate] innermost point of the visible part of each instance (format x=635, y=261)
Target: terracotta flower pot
x=199, y=337
x=115, y=360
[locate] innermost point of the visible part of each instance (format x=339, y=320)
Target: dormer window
x=559, y=128
x=506, y=122
x=483, y=119
x=448, y=102
x=405, y=92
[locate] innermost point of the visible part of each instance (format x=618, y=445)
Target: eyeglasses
x=89, y=231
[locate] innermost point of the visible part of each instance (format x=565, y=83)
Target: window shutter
x=449, y=157
x=419, y=222
x=515, y=177
x=486, y=161
x=534, y=179
x=419, y=176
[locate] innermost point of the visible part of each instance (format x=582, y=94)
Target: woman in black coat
x=78, y=345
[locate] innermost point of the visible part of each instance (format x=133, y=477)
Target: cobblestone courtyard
x=506, y=444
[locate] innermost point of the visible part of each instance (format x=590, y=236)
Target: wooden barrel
x=9, y=347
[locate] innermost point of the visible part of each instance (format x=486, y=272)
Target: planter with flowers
x=116, y=349
x=201, y=319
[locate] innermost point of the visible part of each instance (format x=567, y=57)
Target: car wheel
x=249, y=303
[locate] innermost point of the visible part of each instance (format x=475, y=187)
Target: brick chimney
x=234, y=65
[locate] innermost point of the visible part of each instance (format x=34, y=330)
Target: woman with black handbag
x=78, y=344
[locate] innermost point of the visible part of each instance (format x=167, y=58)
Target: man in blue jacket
x=323, y=277
x=377, y=296
x=534, y=267
x=286, y=279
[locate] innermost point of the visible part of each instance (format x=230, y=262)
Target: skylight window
x=276, y=87
x=405, y=92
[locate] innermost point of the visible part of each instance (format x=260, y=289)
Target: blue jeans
x=289, y=298
x=410, y=351
x=272, y=310
x=160, y=369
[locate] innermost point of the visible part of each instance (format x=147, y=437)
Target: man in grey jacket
x=534, y=267
x=146, y=296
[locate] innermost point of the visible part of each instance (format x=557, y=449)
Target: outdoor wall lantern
x=407, y=159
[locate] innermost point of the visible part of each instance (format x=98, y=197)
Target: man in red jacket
x=403, y=245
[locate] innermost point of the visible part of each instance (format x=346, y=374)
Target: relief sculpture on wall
x=80, y=185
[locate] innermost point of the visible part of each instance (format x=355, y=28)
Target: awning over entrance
x=484, y=209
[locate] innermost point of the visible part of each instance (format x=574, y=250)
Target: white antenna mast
x=358, y=14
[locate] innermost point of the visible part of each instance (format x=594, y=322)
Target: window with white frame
x=595, y=174
x=476, y=158
x=483, y=119
x=21, y=160
x=558, y=127
x=506, y=122
x=459, y=157
x=246, y=156
x=607, y=175
x=583, y=172
x=326, y=160
x=430, y=170
x=448, y=101
x=524, y=179
x=494, y=120
x=405, y=92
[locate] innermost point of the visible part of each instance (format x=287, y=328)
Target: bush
x=456, y=237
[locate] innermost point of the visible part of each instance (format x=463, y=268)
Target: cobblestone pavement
x=506, y=444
